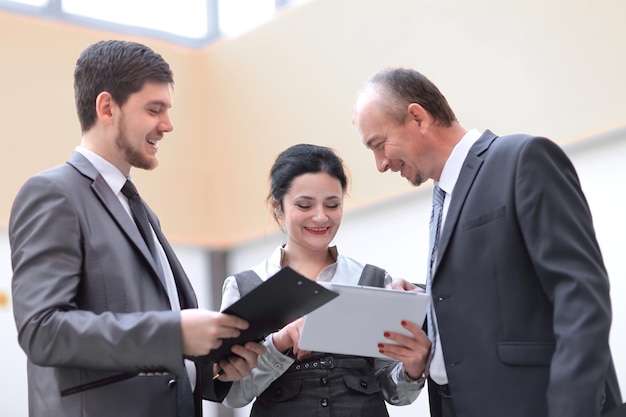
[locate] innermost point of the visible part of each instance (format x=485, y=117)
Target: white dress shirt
x=447, y=181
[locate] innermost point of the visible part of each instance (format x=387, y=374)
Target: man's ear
x=419, y=115
x=104, y=107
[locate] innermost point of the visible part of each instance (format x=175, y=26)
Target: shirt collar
x=452, y=168
x=274, y=262
x=109, y=172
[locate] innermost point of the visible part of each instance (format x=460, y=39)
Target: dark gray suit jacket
x=88, y=301
x=520, y=289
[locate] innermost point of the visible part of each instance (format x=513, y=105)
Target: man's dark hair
x=118, y=67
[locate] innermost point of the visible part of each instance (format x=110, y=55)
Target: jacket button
x=364, y=384
x=324, y=402
x=171, y=383
x=323, y=380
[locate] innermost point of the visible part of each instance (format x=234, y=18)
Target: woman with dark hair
x=308, y=183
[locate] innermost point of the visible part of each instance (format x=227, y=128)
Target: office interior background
x=245, y=93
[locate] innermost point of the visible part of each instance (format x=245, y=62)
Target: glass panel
x=30, y=2
x=238, y=16
x=186, y=18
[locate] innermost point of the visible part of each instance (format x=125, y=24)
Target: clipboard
x=284, y=297
x=354, y=322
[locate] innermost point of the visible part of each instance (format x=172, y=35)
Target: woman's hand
x=404, y=285
x=288, y=337
x=411, y=351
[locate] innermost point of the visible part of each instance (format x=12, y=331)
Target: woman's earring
x=278, y=213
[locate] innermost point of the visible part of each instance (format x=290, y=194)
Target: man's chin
x=145, y=163
x=415, y=182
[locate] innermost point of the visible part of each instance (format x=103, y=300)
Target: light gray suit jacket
x=88, y=302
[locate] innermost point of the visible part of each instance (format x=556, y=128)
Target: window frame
x=53, y=10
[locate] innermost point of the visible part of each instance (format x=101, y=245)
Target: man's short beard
x=133, y=157
x=416, y=181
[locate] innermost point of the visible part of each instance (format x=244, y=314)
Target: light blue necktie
x=434, y=226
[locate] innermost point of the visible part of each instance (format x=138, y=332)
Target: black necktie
x=137, y=208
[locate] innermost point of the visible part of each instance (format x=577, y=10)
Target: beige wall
x=545, y=67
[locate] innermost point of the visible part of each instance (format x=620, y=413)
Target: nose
x=320, y=215
x=166, y=124
x=382, y=163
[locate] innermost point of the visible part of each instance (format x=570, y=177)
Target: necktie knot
x=129, y=189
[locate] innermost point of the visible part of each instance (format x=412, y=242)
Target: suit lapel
x=186, y=295
x=103, y=192
x=471, y=166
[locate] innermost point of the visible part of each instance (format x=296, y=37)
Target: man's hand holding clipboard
x=280, y=300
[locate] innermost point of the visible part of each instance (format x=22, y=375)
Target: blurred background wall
x=541, y=67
